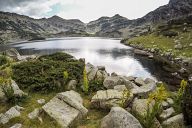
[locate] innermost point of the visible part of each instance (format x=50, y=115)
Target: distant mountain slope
x=128, y=28
x=174, y=9
x=18, y=27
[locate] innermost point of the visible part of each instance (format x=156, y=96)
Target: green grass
x=163, y=43
x=94, y=116
x=30, y=104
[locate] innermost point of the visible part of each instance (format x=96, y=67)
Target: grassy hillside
x=165, y=37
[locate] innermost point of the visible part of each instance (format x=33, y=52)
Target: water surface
x=110, y=53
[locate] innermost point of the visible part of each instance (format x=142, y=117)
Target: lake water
x=110, y=53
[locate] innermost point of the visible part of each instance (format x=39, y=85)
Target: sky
x=85, y=10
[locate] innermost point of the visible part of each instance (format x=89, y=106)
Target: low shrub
x=85, y=81
x=155, y=98
x=169, y=33
x=3, y=60
x=48, y=73
x=96, y=85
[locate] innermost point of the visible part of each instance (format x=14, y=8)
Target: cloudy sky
x=85, y=10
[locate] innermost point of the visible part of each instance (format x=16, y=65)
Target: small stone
x=170, y=101
x=165, y=105
x=41, y=101
x=16, y=126
x=34, y=114
x=178, y=46
x=72, y=85
x=167, y=113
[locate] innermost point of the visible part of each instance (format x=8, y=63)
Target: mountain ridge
x=20, y=27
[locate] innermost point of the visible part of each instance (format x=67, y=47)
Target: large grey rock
x=119, y=118
x=144, y=90
x=111, y=81
x=140, y=106
x=92, y=74
x=167, y=113
x=140, y=82
x=17, y=91
x=99, y=76
x=106, y=99
x=16, y=126
x=73, y=99
x=35, y=113
x=174, y=122
x=66, y=108
x=72, y=85
x=10, y=114
x=120, y=88
x=88, y=67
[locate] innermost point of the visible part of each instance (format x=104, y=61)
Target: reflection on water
x=108, y=52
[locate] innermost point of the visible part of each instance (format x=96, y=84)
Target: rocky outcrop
x=66, y=108
x=111, y=81
x=10, y=114
x=106, y=99
x=95, y=73
x=119, y=118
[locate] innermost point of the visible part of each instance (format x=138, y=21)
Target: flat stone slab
x=66, y=108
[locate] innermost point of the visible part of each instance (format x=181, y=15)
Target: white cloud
x=85, y=10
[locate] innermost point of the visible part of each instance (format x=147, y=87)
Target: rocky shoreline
x=181, y=66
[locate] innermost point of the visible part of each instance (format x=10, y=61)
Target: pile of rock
x=136, y=103
x=96, y=73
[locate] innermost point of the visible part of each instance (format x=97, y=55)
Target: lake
x=110, y=53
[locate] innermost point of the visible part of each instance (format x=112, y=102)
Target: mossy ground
x=157, y=40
